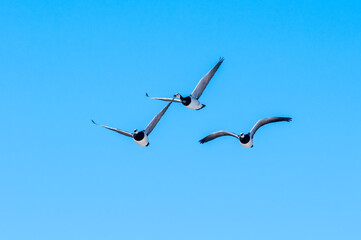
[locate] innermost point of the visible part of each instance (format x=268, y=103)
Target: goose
x=246, y=140
x=141, y=137
x=192, y=101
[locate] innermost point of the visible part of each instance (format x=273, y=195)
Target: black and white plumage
x=192, y=101
x=246, y=140
x=141, y=138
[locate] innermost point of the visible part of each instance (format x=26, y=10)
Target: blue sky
x=63, y=63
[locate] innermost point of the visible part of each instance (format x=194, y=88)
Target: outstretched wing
x=156, y=119
x=215, y=135
x=265, y=121
x=197, y=92
x=116, y=130
x=164, y=99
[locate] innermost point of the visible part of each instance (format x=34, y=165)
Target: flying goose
x=141, y=138
x=246, y=140
x=191, y=101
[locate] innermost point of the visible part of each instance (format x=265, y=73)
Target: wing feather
x=265, y=121
x=164, y=99
x=156, y=119
x=202, y=84
x=116, y=130
x=215, y=135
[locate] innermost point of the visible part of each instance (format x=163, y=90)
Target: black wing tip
x=221, y=59
x=94, y=122
x=202, y=141
x=146, y=94
x=286, y=119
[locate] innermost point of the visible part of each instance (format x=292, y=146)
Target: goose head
x=177, y=95
x=135, y=131
x=241, y=135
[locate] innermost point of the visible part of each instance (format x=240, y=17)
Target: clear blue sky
x=63, y=63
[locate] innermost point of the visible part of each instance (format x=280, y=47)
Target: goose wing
x=197, y=92
x=215, y=135
x=156, y=119
x=164, y=99
x=116, y=130
x=265, y=121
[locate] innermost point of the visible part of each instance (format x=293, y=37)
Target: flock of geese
x=192, y=102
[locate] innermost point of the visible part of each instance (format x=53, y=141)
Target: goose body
x=192, y=101
x=141, y=137
x=195, y=104
x=246, y=140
